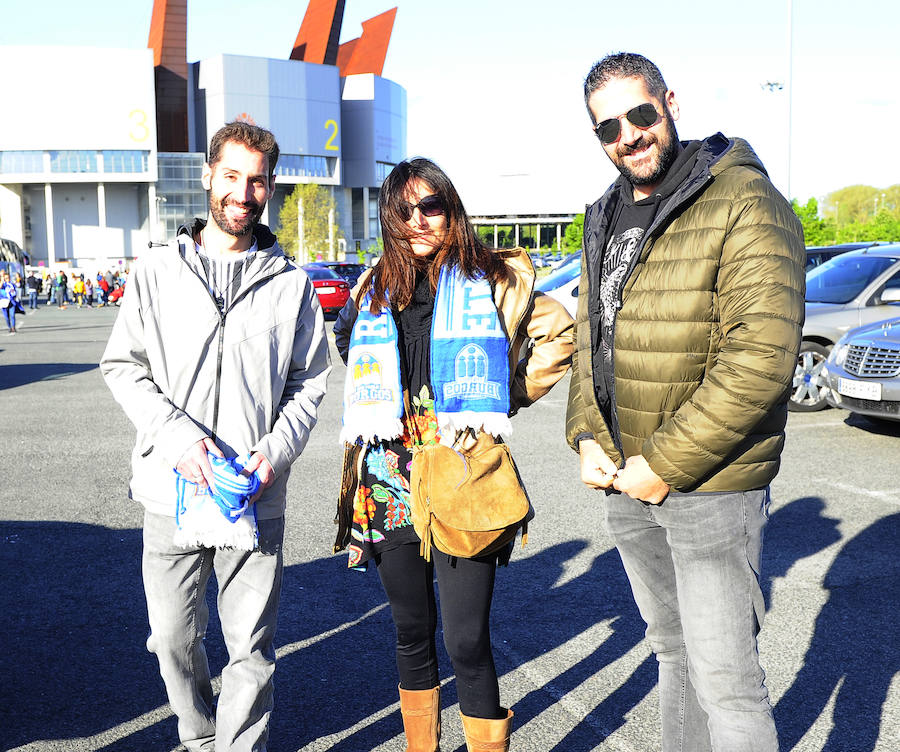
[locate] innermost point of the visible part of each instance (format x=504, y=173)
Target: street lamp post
x=790, y=91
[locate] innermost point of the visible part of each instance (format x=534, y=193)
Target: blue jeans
x=32, y=299
x=175, y=581
x=9, y=313
x=693, y=564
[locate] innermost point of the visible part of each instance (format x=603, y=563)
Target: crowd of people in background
x=81, y=290
x=59, y=288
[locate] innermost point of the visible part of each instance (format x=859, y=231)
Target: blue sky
x=494, y=88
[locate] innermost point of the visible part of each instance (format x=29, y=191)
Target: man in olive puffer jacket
x=687, y=334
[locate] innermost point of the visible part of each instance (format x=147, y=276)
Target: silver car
x=863, y=371
x=850, y=290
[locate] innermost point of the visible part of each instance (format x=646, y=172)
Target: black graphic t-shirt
x=618, y=260
x=624, y=241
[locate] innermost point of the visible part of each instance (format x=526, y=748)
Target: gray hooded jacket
x=251, y=378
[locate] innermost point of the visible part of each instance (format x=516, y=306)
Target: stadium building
x=107, y=154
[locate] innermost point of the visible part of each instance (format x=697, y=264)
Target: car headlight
x=839, y=353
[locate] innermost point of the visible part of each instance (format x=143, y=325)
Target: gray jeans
x=693, y=564
x=175, y=581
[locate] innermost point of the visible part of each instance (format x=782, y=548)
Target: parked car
x=562, y=283
x=863, y=371
x=346, y=270
x=573, y=258
x=819, y=254
x=849, y=290
x=332, y=291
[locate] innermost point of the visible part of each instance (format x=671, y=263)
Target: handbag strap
x=425, y=546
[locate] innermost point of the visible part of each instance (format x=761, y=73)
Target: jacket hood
x=265, y=240
x=715, y=153
x=721, y=153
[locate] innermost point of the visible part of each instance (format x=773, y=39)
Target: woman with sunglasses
x=394, y=401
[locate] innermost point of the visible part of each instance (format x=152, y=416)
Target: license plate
x=859, y=389
x=327, y=290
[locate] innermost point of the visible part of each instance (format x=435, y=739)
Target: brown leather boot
x=487, y=734
x=421, y=711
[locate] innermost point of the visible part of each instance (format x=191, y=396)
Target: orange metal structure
x=366, y=54
x=168, y=40
x=317, y=41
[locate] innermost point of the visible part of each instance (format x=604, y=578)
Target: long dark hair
x=395, y=274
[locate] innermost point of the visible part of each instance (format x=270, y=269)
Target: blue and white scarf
x=469, y=366
x=222, y=518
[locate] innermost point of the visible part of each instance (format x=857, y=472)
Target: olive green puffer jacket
x=706, y=340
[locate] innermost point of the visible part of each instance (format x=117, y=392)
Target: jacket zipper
x=684, y=193
x=221, y=337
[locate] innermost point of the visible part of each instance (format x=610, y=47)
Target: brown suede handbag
x=467, y=502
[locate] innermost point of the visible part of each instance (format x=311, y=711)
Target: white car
x=562, y=283
x=850, y=290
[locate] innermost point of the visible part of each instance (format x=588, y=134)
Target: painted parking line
x=891, y=495
x=817, y=425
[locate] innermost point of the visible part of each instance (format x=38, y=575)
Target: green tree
x=574, y=234
x=855, y=203
x=317, y=203
x=855, y=213
x=815, y=230
x=485, y=234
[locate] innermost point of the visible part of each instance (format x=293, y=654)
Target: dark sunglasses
x=430, y=206
x=643, y=116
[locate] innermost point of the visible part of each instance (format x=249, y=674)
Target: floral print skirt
x=382, y=518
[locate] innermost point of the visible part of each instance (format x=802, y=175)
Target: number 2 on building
x=333, y=127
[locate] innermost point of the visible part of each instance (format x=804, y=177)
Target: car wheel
x=809, y=389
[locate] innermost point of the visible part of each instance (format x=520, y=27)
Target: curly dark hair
x=251, y=136
x=624, y=65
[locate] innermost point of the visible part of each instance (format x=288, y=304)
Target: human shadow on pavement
x=531, y=616
x=74, y=621
x=73, y=618
x=873, y=425
x=72, y=608
x=537, y=615
x=795, y=531
x=855, y=649
x=19, y=374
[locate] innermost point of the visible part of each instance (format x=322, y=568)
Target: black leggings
x=466, y=587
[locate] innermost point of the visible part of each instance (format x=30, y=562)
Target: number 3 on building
x=333, y=127
x=139, y=130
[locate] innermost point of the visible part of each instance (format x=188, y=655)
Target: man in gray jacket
x=220, y=349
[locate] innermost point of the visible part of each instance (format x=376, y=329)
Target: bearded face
x=646, y=160
x=234, y=217
x=239, y=185
x=642, y=153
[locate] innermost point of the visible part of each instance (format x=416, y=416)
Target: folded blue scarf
x=220, y=518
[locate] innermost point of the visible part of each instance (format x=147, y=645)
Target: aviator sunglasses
x=643, y=116
x=430, y=206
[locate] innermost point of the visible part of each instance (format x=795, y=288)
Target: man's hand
x=597, y=469
x=194, y=464
x=263, y=468
x=639, y=481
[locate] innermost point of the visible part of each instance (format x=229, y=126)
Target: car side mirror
x=890, y=295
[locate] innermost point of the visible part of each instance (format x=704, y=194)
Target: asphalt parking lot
x=569, y=648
